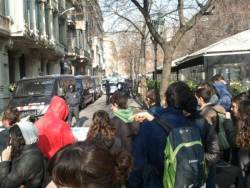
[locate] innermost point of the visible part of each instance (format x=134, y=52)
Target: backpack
x=220, y=129
x=184, y=157
x=223, y=142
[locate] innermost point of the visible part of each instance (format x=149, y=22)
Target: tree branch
x=130, y=21
x=137, y=4
x=180, y=8
x=199, y=4
x=148, y=21
x=189, y=25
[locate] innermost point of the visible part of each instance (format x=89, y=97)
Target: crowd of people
x=200, y=138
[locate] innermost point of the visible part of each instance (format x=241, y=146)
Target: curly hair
x=101, y=127
x=16, y=140
x=243, y=125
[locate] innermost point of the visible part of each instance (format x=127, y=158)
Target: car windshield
x=35, y=87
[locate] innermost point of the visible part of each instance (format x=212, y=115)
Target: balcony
x=84, y=55
x=71, y=21
x=4, y=25
x=73, y=51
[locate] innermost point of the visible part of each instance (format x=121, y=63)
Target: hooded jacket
x=21, y=171
x=53, y=131
x=224, y=95
x=126, y=130
x=26, y=169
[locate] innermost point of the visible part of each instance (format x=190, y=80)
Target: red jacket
x=53, y=131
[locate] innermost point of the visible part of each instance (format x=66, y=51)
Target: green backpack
x=184, y=157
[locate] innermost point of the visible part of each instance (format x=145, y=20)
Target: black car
x=32, y=95
x=85, y=87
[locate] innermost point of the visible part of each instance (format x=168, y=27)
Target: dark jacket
x=125, y=131
x=155, y=110
x=149, y=145
x=209, y=138
x=4, y=136
x=73, y=99
x=112, y=145
x=27, y=169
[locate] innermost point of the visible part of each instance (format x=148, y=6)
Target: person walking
x=223, y=92
x=153, y=107
x=219, y=119
x=102, y=132
x=53, y=132
x=149, y=144
x=87, y=165
x=126, y=128
x=22, y=165
x=107, y=88
x=10, y=117
x=73, y=100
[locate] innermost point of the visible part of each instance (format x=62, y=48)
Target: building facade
x=111, y=56
x=41, y=37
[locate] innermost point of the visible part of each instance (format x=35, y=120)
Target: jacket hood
x=222, y=90
x=58, y=107
x=126, y=115
x=29, y=131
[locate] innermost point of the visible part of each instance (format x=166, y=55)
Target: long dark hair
x=16, y=141
x=84, y=165
x=243, y=125
x=101, y=127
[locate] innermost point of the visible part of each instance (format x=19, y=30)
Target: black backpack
x=184, y=157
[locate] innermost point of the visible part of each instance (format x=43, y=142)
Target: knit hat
x=29, y=131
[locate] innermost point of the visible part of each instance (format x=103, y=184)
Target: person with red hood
x=53, y=131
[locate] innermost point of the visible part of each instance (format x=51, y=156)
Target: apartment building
x=40, y=37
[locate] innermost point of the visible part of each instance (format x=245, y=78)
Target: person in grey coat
x=73, y=101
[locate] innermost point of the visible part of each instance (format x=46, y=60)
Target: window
x=62, y=31
x=4, y=7
x=47, y=21
x=27, y=11
x=37, y=15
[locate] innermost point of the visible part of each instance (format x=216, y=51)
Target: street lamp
x=156, y=23
x=69, y=9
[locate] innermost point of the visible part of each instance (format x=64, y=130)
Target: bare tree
x=185, y=24
x=126, y=11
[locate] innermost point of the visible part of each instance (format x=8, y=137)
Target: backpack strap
x=165, y=125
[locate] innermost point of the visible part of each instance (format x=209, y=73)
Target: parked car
x=113, y=87
x=97, y=82
x=85, y=87
x=32, y=95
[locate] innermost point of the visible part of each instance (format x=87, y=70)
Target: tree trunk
x=143, y=66
x=166, y=73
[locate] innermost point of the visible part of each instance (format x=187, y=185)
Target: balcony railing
x=84, y=54
x=4, y=25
